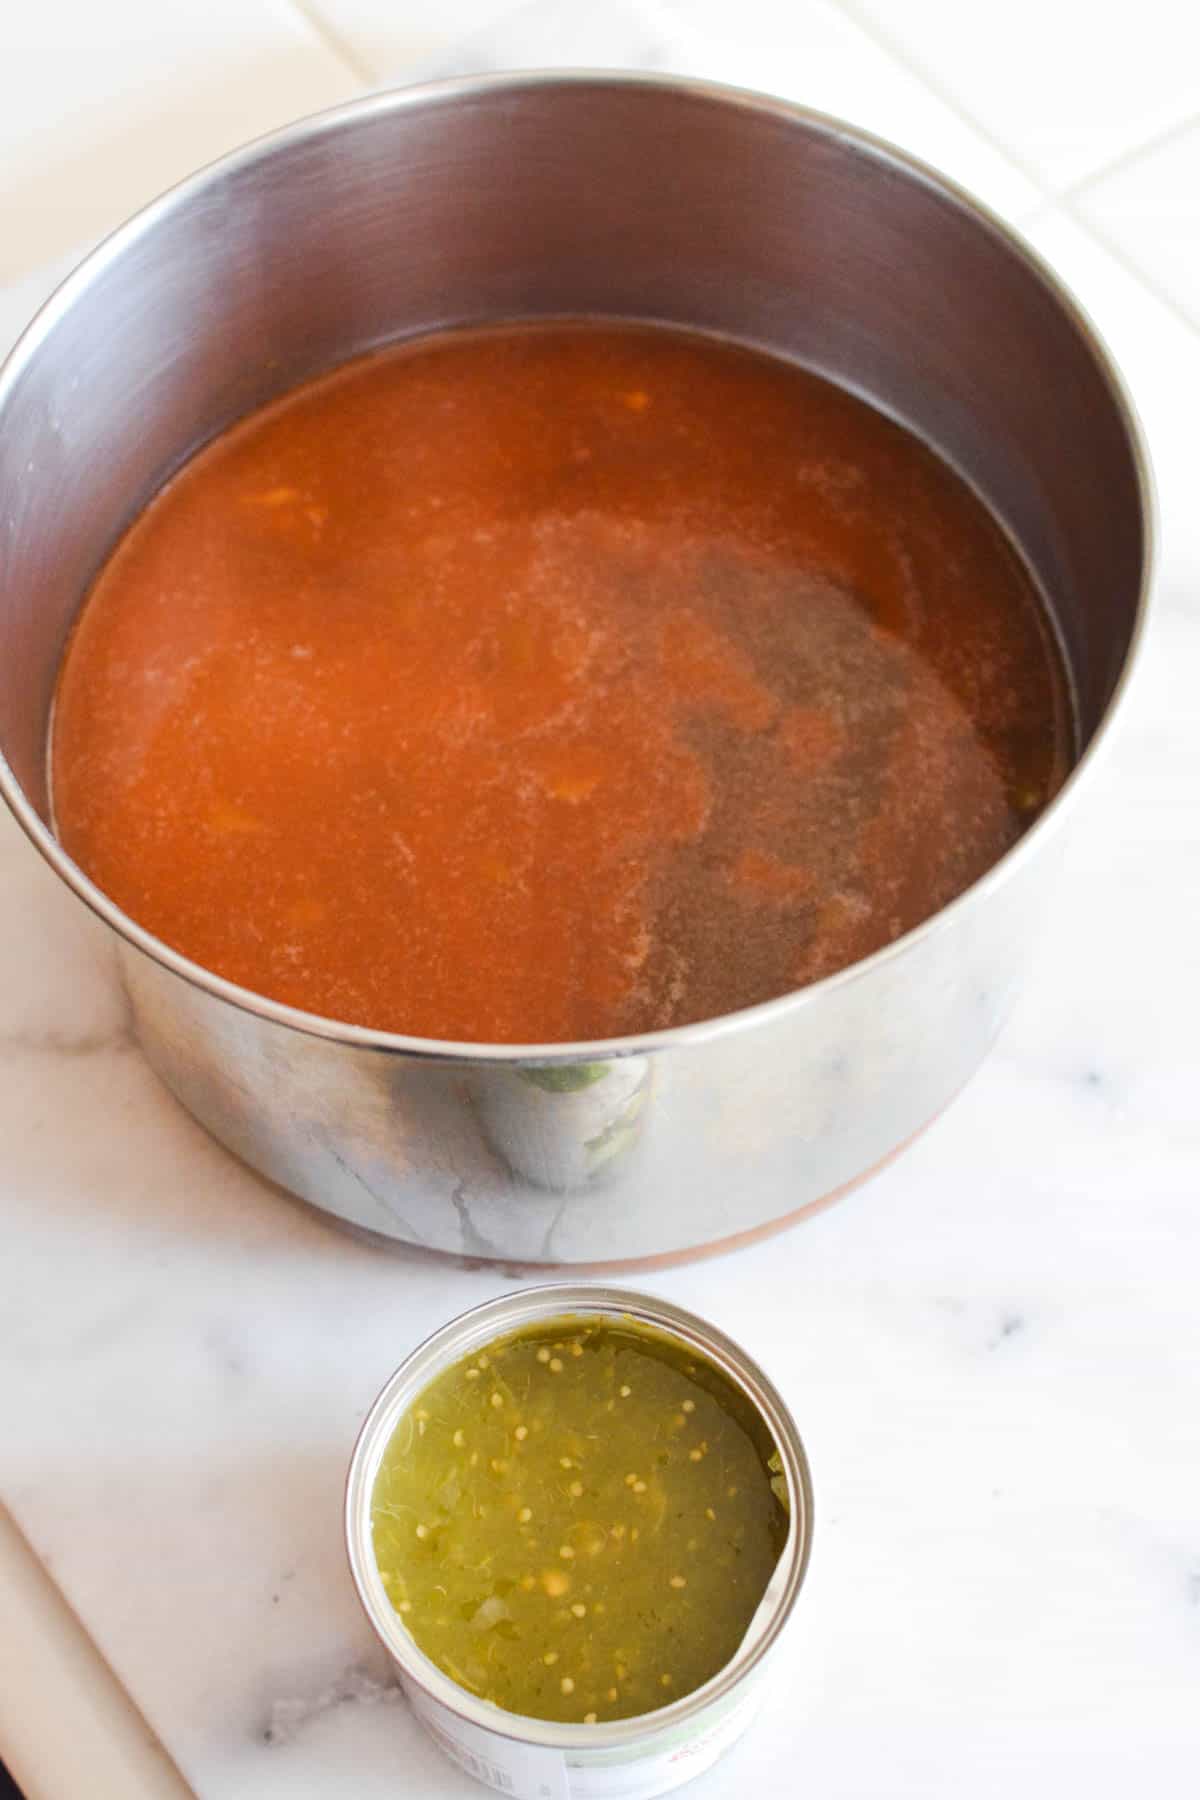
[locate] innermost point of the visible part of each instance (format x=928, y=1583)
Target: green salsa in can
x=579, y=1521
x=579, y=1518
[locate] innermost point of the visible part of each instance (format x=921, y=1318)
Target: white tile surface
x=1150, y=210
x=1067, y=85
x=390, y=38
x=556, y=34
x=103, y=106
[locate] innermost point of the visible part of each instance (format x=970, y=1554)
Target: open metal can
x=539, y=1759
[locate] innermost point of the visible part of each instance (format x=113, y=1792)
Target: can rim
x=474, y=1329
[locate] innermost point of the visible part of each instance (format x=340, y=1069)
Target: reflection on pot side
x=566, y=1125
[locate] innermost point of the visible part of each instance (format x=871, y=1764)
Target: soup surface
x=553, y=682
x=579, y=1523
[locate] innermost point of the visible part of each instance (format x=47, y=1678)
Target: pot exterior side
x=654, y=1154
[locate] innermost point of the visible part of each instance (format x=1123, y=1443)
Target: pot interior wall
x=593, y=196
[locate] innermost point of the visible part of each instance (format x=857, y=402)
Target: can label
x=524, y=1771
x=638, y=1771
x=656, y=1765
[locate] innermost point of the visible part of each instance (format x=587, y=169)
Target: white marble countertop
x=993, y=1349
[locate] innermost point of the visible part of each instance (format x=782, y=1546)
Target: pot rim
x=448, y=92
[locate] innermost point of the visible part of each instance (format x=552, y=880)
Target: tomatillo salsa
x=578, y=1522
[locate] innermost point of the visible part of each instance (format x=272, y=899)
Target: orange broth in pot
x=554, y=682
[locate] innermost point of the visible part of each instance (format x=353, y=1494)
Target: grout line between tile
x=1131, y=268
x=339, y=47
x=912, y=65
x=1125, y=159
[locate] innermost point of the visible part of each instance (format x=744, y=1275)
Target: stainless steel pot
x=527, y=195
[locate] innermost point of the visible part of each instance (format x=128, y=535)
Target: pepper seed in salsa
x=579, y=1523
